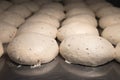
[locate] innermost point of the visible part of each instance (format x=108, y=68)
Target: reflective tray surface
x=58, y=69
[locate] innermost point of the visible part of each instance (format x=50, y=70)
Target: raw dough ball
x=58, y=14
x=12, y=19
x=75, y=5
x=87, y=50
x=75, y=29
x=45, y=19
x=73, y=1
x=42, y=2
x=36, y=27
x=93, y=2
x=109, y=20
x=100, y=5
x=19, y=1
x=20, y=10
x=85, y=18
x=1, y=49
x=7, y=32
x=112, y=33
x=32, y=49
x=32, y=6
x=5, y=5
x=109, y=10
x=54, y=5
x=77, y=11
x=1, y=11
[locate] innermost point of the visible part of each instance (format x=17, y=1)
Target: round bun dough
x=100, y=5
x=117, y=54
x=32, y=49
x=36, y=27
x=7, y=32
x=1, y=11
x=54, y=5
x=32, y=6
x=85, y=18
x=73, y=1
x=92, y=2
x=19, y=1
x=77, y=11
x=87, y=50
x=112, y=33
x=20, y=10
x=45, y=19
x=42, y=2
x=4, y=5
x=75, y=5
x=58, y=14
x=12, y=19
x=75, y=29
x=109, y=20
x=105, y=11
x=1, y=49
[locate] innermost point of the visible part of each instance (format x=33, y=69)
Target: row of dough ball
x=109, y=20
x=81, y=43
x=79, y=20
x=4, y=5
x=11, y=18
x=34, y=43
x=110, y=23
x=112, y=34
x=24, y=9
x=51, y=16
x=39, y=2
x=106, y=12
x=98, y=4
x=108, y=17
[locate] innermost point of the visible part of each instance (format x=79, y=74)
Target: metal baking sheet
x=58, y=70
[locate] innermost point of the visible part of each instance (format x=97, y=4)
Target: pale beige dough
x=58, y=14
x=19, y=1
x=85, y=18
x=45, y=19
x=20, y=10
x=109, y=20
x=78, y=11
x=75, y=5
x=108, y=10
x=87, y=50
x=12, y=18
x=4, y=5
x=54, y=5
x=75, y=29
x=32, y=6
x=112, y=33
x=7, y=32
x=37, y=27
x=32, y=49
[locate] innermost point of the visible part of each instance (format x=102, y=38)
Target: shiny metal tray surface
x=58, y=70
